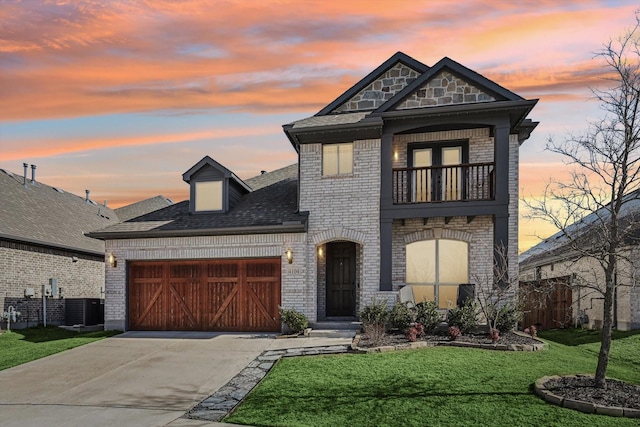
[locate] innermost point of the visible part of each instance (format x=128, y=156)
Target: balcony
x=436, y=184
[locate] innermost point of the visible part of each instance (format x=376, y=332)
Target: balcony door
x=433, y=178
x=421, y=178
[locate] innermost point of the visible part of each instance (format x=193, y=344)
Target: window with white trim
x=337, y=159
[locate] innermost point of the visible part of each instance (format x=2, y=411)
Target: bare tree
x=593, y=210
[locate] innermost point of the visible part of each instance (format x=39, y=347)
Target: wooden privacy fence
x=547, y=303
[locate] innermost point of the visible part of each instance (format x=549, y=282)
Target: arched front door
x=341, y=279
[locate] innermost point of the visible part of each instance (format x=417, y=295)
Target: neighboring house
x=42, y=238
x=573, y=298
x=409, y=178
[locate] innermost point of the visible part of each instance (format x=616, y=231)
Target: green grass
x=442, y=386
x=24, y=345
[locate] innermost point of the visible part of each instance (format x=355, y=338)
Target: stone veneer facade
x=381, y=90
x=444, y=89
x=294, y=290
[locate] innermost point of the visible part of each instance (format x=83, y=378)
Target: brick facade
x=81, y=279
x=587, y=285
x=342, y=208
x=295, y=287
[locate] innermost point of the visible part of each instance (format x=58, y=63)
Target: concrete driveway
x=133, y=379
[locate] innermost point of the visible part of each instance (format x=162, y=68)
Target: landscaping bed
x=508, y=341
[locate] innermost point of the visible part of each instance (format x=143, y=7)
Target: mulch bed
x=616, y=393
x=391, y=339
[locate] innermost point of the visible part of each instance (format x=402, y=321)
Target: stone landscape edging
x=580, y=405
x=540, y=345
x=224, y=400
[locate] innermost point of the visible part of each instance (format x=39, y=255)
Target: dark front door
x=341, y=279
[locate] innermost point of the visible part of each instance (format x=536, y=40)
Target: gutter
x=285, y=227
x=50, y=245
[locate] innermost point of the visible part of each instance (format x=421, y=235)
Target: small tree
x=498, y=294
x=591, y=210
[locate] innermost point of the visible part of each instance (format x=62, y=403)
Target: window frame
x=223, y=200
x=436, y=284
x=337, y=160
x=437, y=194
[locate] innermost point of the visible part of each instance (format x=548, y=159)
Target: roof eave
x=52, y=245
x=365, y=129
x=261, y=229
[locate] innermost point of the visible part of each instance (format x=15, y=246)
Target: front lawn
x=24, y=345
x=442, y=386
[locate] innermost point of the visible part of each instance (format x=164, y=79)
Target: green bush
x=464, y=318
x=506, y=318
x=400, y=317
x=427, y=315
x=294, y=320
x=374, y=319
x=374, y=313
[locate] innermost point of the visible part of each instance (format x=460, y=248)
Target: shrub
x=415, y=331
x=376, y=312
x=294, y=320
x=427, y=315
x=464, y=318
x=374, y=318
x=412, y=334
x=505, y=318
x=453, y=332
x=400, y=317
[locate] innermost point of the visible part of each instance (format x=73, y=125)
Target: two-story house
x=409, y=179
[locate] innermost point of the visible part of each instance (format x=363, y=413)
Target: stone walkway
x=222, y=402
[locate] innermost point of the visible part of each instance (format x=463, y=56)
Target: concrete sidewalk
x=133, y=379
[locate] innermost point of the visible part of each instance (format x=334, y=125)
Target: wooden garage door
x=213, y=295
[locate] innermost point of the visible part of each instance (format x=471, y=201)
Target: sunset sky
x=122, y=97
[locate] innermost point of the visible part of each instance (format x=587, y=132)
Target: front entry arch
x=341, y=279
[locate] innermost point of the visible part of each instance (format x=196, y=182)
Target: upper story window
x=208, y=195
x=435, y=175
x=337, y=159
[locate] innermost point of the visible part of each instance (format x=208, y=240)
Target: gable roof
x=270, y=209
x=268, y=178
x=48, y=216
x=142, y=207
x=448, y=89
x=397, y=58
x=466, y=74
x=208, y=161
x=558, y=247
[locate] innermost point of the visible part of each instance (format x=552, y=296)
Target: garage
x=206, y=295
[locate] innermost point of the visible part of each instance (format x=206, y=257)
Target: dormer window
x=208, y=196
x=214, y=188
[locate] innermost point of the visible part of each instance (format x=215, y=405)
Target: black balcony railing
x=443, y=183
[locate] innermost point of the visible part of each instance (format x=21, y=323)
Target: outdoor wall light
x=395, y=155
x=289, y=254
x=320, y=251
x=113, y=262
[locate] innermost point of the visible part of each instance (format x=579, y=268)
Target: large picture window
x=337, y=159
x=208, y=196
x=435, y=268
